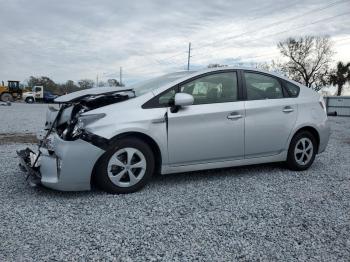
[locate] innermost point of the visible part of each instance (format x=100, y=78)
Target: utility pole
x=189, y=56
x=120, y=75
x=97, y=80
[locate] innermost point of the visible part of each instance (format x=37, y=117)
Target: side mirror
x=181, y=99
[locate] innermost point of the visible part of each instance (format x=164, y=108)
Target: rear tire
x=29, y=100
x=302, y=151
x=6, y=97
x=126, y=167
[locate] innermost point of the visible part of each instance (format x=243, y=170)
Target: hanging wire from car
x=62, y=107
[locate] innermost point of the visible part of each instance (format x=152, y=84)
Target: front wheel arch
x=150, y=141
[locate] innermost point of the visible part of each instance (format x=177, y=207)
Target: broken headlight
x=46, y=142
x=83, y=121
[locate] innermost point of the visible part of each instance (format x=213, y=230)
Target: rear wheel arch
x=312, y=131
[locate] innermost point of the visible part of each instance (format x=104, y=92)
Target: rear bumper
x=68, y=167
x=324, y=132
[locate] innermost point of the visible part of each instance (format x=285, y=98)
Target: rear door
x=270, y=114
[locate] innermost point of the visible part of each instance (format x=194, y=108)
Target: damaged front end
x=66, y=151
x=27, y=164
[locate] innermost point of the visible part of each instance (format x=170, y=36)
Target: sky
x=84, y=39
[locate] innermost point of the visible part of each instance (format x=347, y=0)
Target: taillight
x=322, y=104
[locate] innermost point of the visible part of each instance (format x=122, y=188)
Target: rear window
x=293, y=90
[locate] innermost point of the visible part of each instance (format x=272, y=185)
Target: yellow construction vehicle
x=11, y=91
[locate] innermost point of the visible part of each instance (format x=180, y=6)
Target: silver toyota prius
x=117, y=138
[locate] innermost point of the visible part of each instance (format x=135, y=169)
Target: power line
x=120, y=75
x=276, y=23
x=159, y=61
x=189, y=56
x=269, y=25
x=293, y=28
x=166, y=59
x=270, y=54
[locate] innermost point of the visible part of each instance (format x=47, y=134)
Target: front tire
x=126, y=167
x=6, y=97
x=302, y=151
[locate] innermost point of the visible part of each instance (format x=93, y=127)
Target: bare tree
x=273, y=66
x=308, y=60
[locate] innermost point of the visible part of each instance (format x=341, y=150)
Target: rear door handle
x=234, y=116
x=287, y=109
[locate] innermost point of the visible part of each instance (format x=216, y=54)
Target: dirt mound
x=21, y=138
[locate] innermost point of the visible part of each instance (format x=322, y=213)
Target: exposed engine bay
x=67, y=121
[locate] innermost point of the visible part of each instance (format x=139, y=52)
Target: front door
x=212, y=129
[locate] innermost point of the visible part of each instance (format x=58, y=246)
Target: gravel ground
x=260, y=212
x=22, y=118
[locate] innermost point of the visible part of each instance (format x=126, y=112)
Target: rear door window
x=261, y=86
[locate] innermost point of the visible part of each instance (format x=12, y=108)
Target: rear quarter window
x=293, y=90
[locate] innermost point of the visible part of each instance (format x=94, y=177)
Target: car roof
x=205, y=70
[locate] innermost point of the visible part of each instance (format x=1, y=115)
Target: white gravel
x=260, y=212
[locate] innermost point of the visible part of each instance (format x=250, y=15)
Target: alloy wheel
x=126, y=167
x=303, y=151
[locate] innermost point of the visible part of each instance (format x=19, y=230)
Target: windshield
x=151, y=84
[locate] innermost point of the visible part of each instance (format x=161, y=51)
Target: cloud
x=79, y=39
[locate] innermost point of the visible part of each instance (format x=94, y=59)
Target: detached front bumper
x=67, y=167
x=26, y=157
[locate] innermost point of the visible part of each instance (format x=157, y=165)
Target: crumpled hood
x=75, y=96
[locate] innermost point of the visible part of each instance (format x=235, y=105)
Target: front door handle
x=287, y=109
x=234, y=116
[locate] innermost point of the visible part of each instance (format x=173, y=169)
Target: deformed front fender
x=70, y=167
x=154, y=131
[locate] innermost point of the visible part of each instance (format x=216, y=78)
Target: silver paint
x=196, y=137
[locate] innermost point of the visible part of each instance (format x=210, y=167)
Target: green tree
x=101, y=84
x=113, y=82
x=44, y=81
x=86, y=83
x=340, y=76
x=68, y=87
